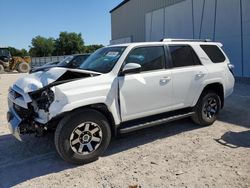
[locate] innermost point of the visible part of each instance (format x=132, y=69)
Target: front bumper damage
x=14, y=123
x=19, y=116
x=35, y=102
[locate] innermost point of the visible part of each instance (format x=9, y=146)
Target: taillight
x=231, y=68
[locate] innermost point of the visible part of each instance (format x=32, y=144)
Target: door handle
x=165, y=79
x=200, y=75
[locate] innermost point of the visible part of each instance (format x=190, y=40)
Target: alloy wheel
x=210, y=108
x=86, y=138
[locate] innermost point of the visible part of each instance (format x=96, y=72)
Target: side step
x=153, y=123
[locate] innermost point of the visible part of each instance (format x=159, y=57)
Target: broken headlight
x=43, y=98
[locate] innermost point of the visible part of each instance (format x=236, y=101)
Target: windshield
x=4, y=52
x=103, y=60
x=65, y=61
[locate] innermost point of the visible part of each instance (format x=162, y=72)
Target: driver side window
x=150, y=58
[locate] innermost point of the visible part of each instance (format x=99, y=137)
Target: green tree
x=24, y=52
x=17, y=52
x=69, y=43
x=42, y=46
x=92, y=48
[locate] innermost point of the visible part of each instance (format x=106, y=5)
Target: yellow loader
x=9, y=63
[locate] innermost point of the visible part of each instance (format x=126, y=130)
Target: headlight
x=43, y=98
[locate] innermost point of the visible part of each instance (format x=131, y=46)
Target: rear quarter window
x=214, y=53
x=183, y=55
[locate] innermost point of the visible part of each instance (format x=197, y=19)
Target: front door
x=150, y=91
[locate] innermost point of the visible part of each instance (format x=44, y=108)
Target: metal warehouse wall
x=227, y=21
x=129, y=19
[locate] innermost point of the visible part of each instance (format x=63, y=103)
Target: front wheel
x=23, y=67
x=82, y=136
x=207, y=108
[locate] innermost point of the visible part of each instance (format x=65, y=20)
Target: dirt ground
x=179, y=154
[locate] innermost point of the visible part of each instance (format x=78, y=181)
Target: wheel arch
x=218, y=88
x=100, y=107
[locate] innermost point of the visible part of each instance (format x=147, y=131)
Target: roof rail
x=185, y=40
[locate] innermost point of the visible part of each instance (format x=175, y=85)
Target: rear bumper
x=14, y=123
x=229, y=85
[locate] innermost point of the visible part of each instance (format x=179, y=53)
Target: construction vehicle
x=9, y=63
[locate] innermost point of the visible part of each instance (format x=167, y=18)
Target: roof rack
x=185, y=40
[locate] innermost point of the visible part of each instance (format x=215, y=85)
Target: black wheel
x=207, y=108
x=23, y=67
x=1, y=69
x=82, y=136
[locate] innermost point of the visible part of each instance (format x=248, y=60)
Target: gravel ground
x=179, y=154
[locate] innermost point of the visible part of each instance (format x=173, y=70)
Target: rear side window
x=214, y=53
x=183, y=55
x=150, y=58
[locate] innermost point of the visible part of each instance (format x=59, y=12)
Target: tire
x=207, y=108
x=1, y=69
x=23, y=67
x=74, y=140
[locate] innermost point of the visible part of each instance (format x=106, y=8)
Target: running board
x=154, y=123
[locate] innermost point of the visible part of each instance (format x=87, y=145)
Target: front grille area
x=22, y=112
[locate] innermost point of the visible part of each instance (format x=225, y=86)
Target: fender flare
x=207, y=84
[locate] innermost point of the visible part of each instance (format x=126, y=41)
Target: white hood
x=38, y=80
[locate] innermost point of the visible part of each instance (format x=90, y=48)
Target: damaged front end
x=21, y=113
x=29, y=108
x=30, y=117
x=41, y=101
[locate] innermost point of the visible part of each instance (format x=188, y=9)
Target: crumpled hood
x=38, y=80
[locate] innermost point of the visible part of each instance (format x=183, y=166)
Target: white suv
x=118, y=89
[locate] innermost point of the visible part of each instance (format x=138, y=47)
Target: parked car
x=119, y=89
x=73, y=61
x=53, y=62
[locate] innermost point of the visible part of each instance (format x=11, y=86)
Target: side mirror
x=131, y=68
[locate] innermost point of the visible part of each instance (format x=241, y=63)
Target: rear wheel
x=82, y=136
x=1, y=69
x=207, y=108
x=23, y=67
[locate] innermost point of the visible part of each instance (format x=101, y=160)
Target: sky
x=21, y=20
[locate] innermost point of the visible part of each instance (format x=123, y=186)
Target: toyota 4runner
x=119, y=89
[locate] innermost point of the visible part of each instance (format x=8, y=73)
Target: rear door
x=187, y=73
x=150, y=91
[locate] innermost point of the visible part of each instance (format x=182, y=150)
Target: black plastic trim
x=154, y=120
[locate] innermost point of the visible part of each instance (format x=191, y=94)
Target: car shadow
x=35, y=157
x=137, y=138
x=235, y=139
x=236, y=111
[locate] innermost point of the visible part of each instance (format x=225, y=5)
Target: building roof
x=118, y=6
